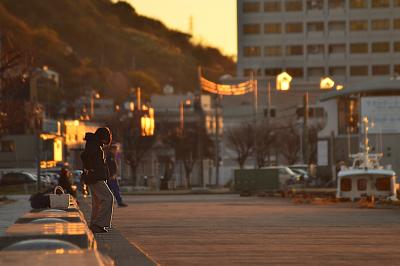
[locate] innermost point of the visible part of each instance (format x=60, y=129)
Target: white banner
x=384, y=112
x=322, y=152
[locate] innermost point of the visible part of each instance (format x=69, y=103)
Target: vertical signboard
x=322, y=159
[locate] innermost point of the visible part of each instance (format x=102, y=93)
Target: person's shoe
x=122, y=205
x=98, y=229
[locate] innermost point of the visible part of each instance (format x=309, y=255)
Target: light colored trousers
x=102, y=204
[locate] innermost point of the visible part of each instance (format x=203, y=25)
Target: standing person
x=95, y=174
x=65, y=182
x=112, y=180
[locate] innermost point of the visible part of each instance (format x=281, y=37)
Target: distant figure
x=95, y=175
x=65, y=182
x=113, y=180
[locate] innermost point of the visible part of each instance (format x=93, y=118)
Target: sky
x=214, y=21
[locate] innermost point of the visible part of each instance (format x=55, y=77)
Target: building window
x=315, y=4
x=354, y=4
x=359, y=25
x=274, y=6
x=315, y=49
x=335, y=4
x=273, y=71
x=337, y=25
x=396, y=69
x=294, y=5
x=296, y=72
x=359, y=48
x=315, y=26
x=272, y=28
x=362, y=184
x=359, y=70
x=396, y=46
x=273, y=51
x=337, y=71
x=294, y=27
x=7, y=146
x=294, y=50
x=251, y=7
x=247, y=72
x=337, y=48
x=396, y=24
x=345, y=184
x=380, y=47
x=381, y=70
x=380, y=3
x=316, y=71
x=380, y=24
x=251, y=51
x=382, y=184
x=348, y=116
x=251, y=28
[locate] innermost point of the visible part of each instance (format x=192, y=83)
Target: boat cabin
x=357, y=183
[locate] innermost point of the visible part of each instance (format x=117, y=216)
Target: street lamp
x=326, y=83
x=283, y=81
x=93, y=95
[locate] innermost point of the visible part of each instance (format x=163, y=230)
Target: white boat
x=366, y=177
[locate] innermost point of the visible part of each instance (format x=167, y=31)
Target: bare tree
x=266, y=139
x=241, y=141
x=288, y=140
x=186, y=146
x=135, y=146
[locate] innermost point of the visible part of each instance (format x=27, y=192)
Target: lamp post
x=93, y=95
x=283, y=81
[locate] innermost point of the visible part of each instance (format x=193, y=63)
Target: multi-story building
x=349, y=40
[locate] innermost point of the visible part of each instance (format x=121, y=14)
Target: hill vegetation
x=108, y=46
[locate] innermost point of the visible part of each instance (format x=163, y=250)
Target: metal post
x=255, y=105
x=268, y=117
x=305, y=130
x=217, y=105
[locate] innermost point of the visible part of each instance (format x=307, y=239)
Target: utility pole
x=217, y=106
x=255, y=109
x=268, y=117
x=305, y=130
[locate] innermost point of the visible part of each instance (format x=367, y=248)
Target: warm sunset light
x=214, y=22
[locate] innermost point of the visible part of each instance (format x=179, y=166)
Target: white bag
x=60, y=201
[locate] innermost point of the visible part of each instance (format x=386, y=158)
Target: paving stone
x=115, y=245
x=232, y=230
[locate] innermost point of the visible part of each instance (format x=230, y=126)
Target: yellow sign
x=326, y=83
x=47, y=164
x=283, y=81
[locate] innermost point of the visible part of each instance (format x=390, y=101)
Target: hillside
x=108, y=46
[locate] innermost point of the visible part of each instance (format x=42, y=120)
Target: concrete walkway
x=115, y=245
x=10, y=212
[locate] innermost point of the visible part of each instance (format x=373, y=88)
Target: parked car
x=286, y=175
x=17, y=178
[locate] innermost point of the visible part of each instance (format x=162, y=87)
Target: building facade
x=348, y=40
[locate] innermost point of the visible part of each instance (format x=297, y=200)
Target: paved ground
x=9, y=213
x=115, y=245
x=228, y=229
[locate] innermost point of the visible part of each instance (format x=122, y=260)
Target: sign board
x=384, y=112
x=322, y=159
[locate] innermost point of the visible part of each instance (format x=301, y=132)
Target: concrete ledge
x=76, y=233
x=54, y=257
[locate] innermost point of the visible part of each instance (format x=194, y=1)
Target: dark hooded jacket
x=94, y=161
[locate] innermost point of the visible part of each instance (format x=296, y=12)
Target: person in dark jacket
x=96, y=174
x=65, y=182
x=112, y=182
